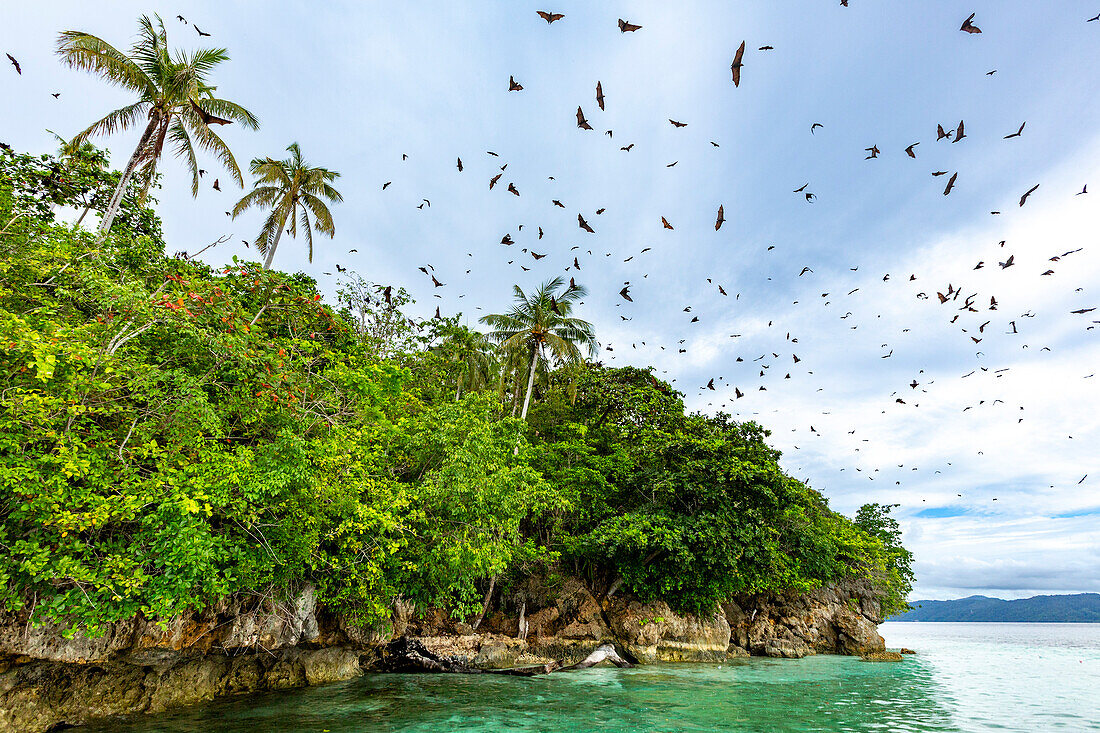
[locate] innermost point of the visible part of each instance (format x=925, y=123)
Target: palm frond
x=85, y=52
x=259, y=196
x=304, y=217
x=183, y=148
x=122, y=118
x=209, y=141
x=320, y=213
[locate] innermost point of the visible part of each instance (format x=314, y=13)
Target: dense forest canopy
x=171, y=433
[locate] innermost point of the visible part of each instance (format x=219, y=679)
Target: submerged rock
x=881, y=657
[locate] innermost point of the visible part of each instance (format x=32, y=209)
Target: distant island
x=1077, y=608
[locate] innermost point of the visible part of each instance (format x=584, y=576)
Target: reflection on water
x=964, y=679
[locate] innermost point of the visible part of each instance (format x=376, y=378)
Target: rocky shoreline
x=48, y=681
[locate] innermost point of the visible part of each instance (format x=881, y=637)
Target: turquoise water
x=965, y=677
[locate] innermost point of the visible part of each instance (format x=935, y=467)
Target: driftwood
x=410, y=655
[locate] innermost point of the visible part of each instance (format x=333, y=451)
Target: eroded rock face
x=570, y=629
x=226, y=627
x=839, y=619
x=653, y=632
x=241, y=646
x=38, y=696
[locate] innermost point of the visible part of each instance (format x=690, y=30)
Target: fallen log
x=410, y=655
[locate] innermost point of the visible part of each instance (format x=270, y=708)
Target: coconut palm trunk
x=530, y=381
x=273, y=246
x=127, y=173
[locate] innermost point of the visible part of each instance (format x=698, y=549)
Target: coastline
x=135, y=667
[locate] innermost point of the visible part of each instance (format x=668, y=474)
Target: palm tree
x=292, y=189
x=540, y=323
x=473, y=354
x=174, y=95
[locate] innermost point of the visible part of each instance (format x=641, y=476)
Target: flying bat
x=735, y=67
x=207, y=118
x=1023, y=199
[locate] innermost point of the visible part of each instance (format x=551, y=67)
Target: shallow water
x=965, y=677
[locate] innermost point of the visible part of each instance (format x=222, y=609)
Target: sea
x=964, y=677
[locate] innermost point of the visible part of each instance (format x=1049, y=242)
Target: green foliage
x=687, y=508
x=39, y=185
x=896, y=561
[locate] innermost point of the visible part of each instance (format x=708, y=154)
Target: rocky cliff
x=50, y=678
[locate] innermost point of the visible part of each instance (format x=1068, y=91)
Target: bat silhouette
x=1023, y=199
x=735, y=67
x=207, y=118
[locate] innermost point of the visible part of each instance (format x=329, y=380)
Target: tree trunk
x=485, y=603
x=530, y=381
x=410, y=655
x=458, y=389
x=116, y=199
x=83, y=214
x=522, y=635
x=515, y=393
x=273, y=246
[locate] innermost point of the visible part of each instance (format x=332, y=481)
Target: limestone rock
x=787, y=648
x=652, y=632
x=881, y=657
x=499, y=654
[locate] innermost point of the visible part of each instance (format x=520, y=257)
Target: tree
x=471, y=354
x=875, y=520
x=540, y=322
x=174, y=95
x=293, y=190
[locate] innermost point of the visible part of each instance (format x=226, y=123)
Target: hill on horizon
x=1076, y=608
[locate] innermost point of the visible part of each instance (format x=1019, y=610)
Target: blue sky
x=359, y=84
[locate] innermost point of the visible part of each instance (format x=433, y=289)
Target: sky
x=994, y=455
